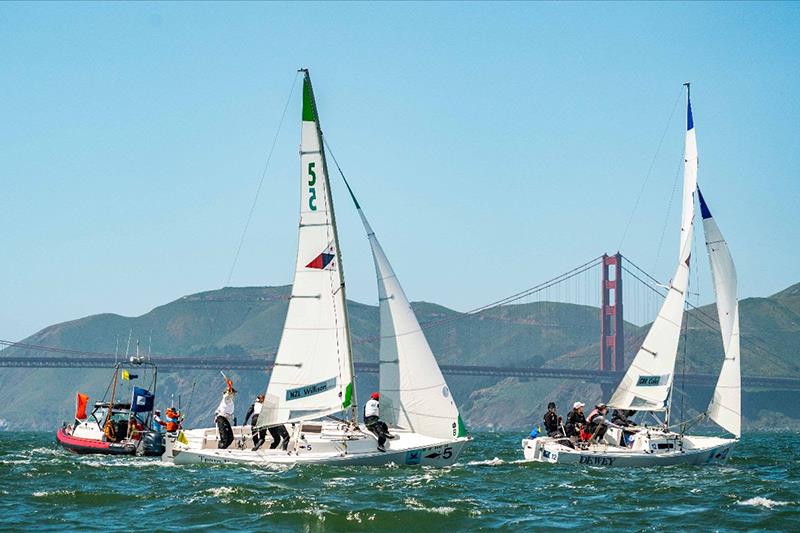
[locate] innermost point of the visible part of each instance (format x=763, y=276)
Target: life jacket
x=173, y=419
x=591, y=416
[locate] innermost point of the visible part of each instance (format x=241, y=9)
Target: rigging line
x=666, y=217
x=650, y=170
x=752, y=340
x=514, y=297
x=261, y=181
x=43, y=348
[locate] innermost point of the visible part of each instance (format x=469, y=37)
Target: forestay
x=646, y=385
x=312, y=376
x=725, y=407
x=414, y=394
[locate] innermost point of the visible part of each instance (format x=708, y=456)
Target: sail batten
x=313, y=372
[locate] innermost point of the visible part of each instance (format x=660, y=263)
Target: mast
x=647, y=384
x=353, y=397
x=313, y=376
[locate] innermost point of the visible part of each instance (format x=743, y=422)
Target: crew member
x=575, y=420
x=622, y=417
x=259, y=436
x=552, y=422
x=157, y=424
x=596, y=423
x=224, y=417
x=372, y=413
x=173, y=422
x=279, y=435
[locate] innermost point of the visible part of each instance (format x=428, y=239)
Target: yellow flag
x=182, y=438
x=126, y=375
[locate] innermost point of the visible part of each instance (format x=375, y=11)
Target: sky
x=492, y=145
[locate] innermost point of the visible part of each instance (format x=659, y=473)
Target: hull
x=152, y=445
x=331, y=445
x=649, y=451
x=86, y=446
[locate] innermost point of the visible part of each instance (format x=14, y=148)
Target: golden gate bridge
x=581, y=286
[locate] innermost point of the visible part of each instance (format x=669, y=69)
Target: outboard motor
x=152, y=444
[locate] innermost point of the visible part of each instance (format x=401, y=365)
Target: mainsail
x=313, y=372
x=725, y=406
x=414, y=394
x=647, y=383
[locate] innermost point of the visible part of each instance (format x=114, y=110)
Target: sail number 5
x=312, y=191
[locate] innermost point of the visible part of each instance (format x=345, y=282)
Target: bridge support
x=612, y=343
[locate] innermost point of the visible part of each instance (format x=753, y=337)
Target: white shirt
x=257, y=408
x=225, y=407
x=372, y=408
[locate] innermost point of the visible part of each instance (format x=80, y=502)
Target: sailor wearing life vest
x=224, y=417
x=372, y=413
x=173, y=421
x=596, y=423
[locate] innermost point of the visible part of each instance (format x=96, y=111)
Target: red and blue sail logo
x=324, y=261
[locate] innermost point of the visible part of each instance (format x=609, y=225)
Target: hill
x=248, y=321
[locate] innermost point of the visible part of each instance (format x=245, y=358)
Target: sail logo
x=324, y=261
x=413, y=457
x=649, y=381
x=310, y=390
x=312, y=191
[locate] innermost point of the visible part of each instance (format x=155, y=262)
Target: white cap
x=577, y=404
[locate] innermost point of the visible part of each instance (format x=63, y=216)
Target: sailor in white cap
x=575, y=420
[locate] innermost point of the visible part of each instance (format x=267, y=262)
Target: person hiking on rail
x=372, y=413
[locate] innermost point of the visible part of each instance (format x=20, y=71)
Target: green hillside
x=248, y=321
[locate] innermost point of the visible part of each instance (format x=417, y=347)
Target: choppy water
x=45, y=488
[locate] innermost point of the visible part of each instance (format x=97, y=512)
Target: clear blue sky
x=492, y=145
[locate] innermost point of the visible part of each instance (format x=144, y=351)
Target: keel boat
x=647, y=384
x=311, y=389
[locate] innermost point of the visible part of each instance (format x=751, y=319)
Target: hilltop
x=247, y=321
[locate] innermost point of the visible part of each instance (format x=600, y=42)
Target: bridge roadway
x=249, y=363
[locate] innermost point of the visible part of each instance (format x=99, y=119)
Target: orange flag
x=80, y=406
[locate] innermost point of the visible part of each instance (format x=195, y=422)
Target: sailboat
x=313, y=378
x=647, y=384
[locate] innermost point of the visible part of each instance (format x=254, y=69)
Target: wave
x=760, y=501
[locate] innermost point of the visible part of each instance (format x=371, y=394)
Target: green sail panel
x=309, y=108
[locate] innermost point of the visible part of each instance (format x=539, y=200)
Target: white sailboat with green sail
x=647, y=384
x=313, y=378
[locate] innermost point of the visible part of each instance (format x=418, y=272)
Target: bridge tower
x=612, y=342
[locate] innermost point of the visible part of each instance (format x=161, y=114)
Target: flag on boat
x=142, y=400
x=127, y=376
x=182, y=438
x=80, y=406
x=324, y=261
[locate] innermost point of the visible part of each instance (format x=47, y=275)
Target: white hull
x=326, y=443
x=650, y=448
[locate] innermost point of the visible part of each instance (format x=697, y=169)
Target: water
x=45, y=488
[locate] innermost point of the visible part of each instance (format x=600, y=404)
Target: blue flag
x=142, y=400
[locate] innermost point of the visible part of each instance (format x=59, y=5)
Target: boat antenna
x=128, y=346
